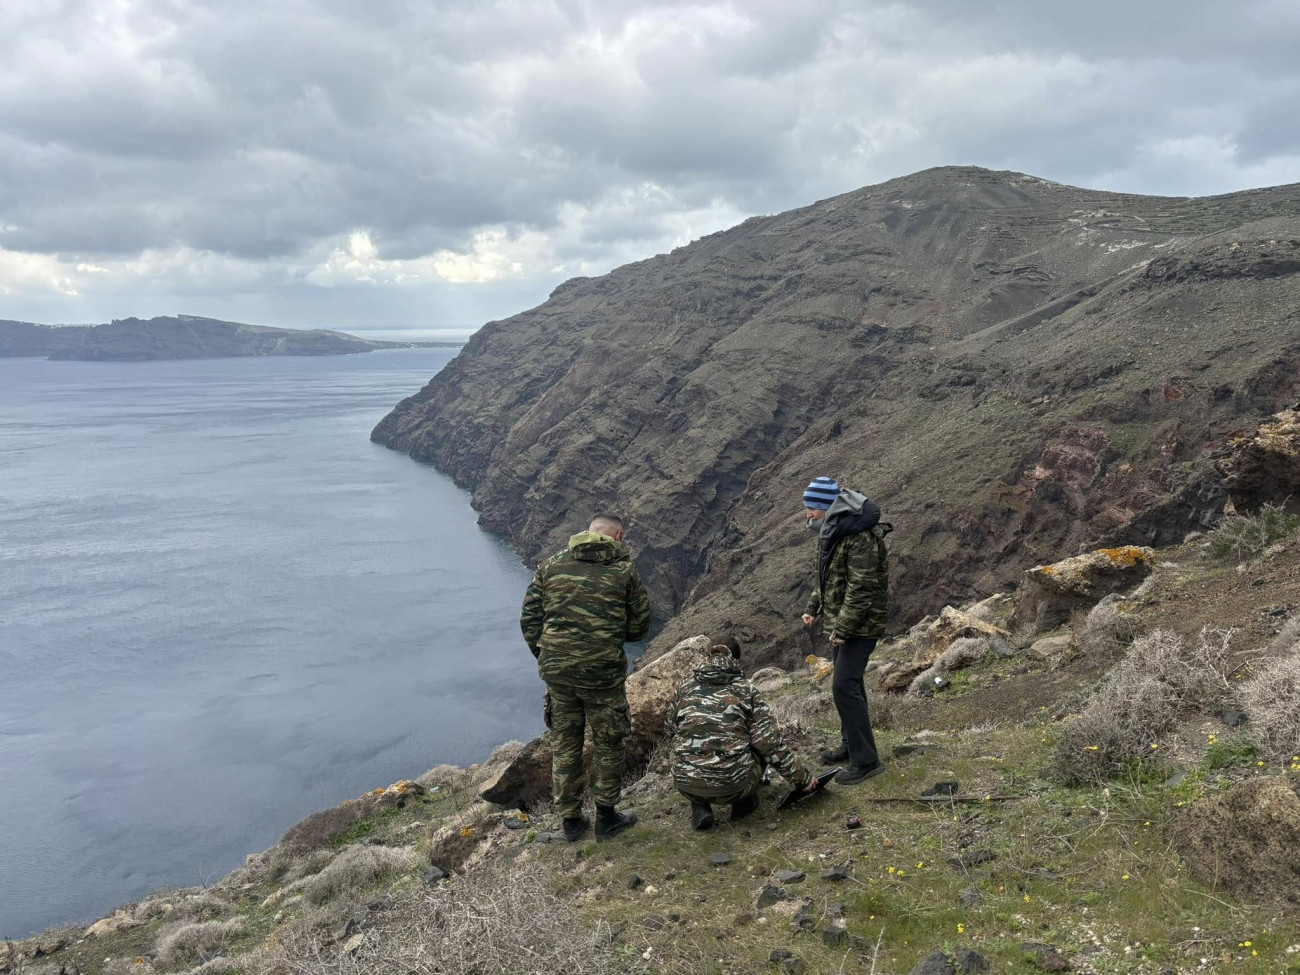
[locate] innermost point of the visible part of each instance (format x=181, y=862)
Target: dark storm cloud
x=483, y=150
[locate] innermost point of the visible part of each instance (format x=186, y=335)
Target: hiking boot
x=575, y=828
x=833, y=756
x=701, y=815
x=610, y=822
x=857, y=773
x=741, y=809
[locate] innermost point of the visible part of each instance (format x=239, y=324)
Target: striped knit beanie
x=821, y=493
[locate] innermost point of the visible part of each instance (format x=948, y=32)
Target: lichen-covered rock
x=120, y=921
x=526, y=780
x=1246, y=840
x=1050, y=593
x=928, y=645
x=1265, y=468
x=819, y=667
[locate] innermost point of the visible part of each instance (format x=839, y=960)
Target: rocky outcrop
x=982, y=353
x=1264, y=468
x=526, y=779
x=1051, y=593
x=1246, y=840
x=929, y=643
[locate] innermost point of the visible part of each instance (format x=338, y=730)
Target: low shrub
x=1271, y=699
x=1106, y=629
x=185, y=942
x=492, y=921
x=356, y=868
x=1245, y=537
x=1161, y=680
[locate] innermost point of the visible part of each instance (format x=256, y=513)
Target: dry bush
x=803, y=710
x=322, y=828
x=960, y=653
x=304, y=866
x=493, y=921
x=1271, y=699
x=505, y=752
x=1162, y=680
x=1242, y=538
x=356, y=868
x=183, y=942
x=1106, y=629
x=442, y=777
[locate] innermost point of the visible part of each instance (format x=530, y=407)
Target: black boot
x=610, y=822
x=701, y=815
x=575, y=828
x=833, y=756
x=741, y=809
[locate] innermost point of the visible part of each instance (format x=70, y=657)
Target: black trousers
x=849, y=691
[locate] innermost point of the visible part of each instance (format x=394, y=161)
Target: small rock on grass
x=634, y=882
x=793, y=966
x=433, y=875
x=838, y=872
x=770, y=895
x=779, y=955
x=972, y=859
x=969, y=961
x=941, y=789
x=834, y=935
x=1046, y=957
x=790, y=876
x=719, y=859
x=969, y=897
x=653, y=921
x=935, y=963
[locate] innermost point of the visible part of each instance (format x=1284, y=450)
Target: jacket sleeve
x=532, y=616
x=862, y=586
x=814, y=607
x=766, y=738
x=638, y=608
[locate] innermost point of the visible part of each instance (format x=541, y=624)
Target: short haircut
x=607, y=522
x=730, y=642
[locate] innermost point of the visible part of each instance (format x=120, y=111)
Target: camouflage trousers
x=569, y=711
x=723, y=795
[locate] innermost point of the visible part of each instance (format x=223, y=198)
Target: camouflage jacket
x=722, y=728
x=583, y=604
x=852, y=594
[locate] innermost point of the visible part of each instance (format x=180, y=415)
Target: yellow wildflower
x=961, y=928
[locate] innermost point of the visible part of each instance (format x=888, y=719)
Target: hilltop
x=1012, y=367
x=180, y=337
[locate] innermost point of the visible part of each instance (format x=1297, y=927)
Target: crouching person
x=724, y=736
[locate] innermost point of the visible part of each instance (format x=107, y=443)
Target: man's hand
x=836, y=642
x=809, y=620
x=811, y=786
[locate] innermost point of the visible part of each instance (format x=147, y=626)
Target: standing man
x=583, y=604
x=851, y=597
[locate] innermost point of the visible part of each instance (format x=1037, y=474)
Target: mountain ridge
x=1012, y=367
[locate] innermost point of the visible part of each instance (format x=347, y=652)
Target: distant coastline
x=182, y=337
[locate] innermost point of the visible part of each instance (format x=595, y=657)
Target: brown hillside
x=1013, y=368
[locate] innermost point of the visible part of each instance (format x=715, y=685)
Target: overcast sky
x=433, y=164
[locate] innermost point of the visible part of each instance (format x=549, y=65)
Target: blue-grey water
x=221, y=609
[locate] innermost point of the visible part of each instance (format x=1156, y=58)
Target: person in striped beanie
x=851, y=602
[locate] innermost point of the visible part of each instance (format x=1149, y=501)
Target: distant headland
x=181, y=337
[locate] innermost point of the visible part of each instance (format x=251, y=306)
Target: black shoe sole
x=851, y=779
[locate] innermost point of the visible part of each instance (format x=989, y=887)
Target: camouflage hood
x=595, y=547
x=719, y=667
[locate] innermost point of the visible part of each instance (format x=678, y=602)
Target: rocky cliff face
x=1011, y=367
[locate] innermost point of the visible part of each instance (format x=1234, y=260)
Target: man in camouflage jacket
x=583, y=604
x=724, y=735
x=852, y=601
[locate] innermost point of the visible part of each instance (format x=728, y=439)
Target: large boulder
x=1264, y=468
x=1246, y=840
x=1050, y=593
x=526, y=780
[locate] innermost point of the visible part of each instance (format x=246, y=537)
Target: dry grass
x=803, y=710
x=322, y=828
x=1106, y=629
x=494, y=921
x=1163, y=679
x=1271, y=699
x=1246, y=537
x=960, y=653
x=356, y=868
x=186, y=941
x=443, y=777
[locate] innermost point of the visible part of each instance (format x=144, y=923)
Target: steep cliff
x=1013, y=368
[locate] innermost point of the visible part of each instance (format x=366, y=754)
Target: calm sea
x=221, y=609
